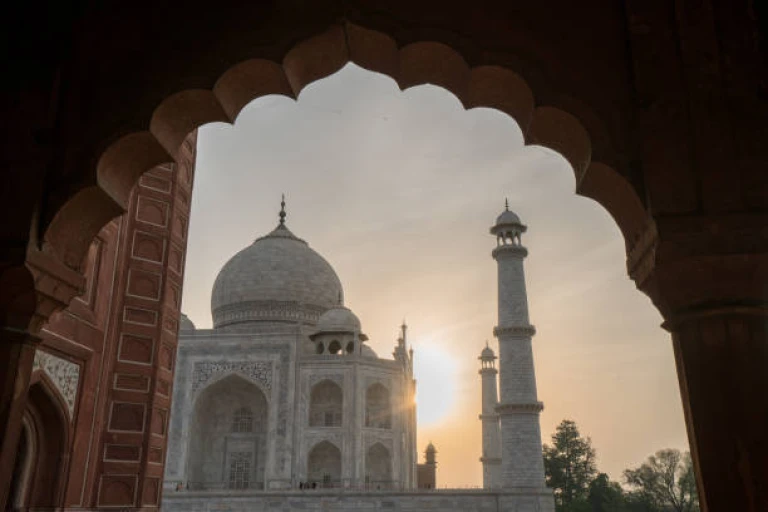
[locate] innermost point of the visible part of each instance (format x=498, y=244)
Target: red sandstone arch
x=122, y=163
x=49, y=429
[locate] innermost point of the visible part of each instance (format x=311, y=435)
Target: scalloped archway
x=124, y=161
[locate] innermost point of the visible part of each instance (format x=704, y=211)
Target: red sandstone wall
x=122, y=333
x=78, y=335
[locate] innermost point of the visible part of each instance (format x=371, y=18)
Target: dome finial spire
x=506, y=204
x=282, y=211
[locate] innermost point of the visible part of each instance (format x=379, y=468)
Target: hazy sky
x=397, y=190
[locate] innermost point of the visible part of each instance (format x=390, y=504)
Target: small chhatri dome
x=339, y=319
x=278, y=278
x=185, y=324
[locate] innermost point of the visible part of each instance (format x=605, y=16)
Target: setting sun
x=436, y=372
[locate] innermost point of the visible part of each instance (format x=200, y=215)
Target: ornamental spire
x=282, y=211
x=506, y=204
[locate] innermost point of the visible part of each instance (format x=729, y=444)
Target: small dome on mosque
x=367, y=351
x=339, y=319
x=431, y=448
x=276, y=278
x=185, y=324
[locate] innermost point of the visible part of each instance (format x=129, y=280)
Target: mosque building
x=283, y=391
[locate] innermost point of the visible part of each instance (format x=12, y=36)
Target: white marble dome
x=278, y=278
x=185, y=324
x=338, y=319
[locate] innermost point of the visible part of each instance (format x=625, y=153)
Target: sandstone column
x=707, y=275
x=521, y=457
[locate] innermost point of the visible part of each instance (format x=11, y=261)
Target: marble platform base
x=480, y=500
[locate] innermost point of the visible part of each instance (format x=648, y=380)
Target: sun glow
x=436, y=373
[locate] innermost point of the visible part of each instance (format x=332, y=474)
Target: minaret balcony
x=514, y=330
x=505, y=409
x=509, y=250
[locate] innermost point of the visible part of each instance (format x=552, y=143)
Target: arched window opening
x=378, y=467
x=242, y=421
x=324, y=465
x=240, y=470
x=350, y=347
x=377, y=408
x=319, y=348
x=325, y=405
x=334, y=347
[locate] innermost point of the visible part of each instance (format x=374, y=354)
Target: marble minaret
x=521, y=456
x=491, y=458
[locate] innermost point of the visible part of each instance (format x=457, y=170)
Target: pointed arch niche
x=378, y=467
x=228, y=438
x=324, y=465
x=326, y=403
x=40, y=468
x=378, y=410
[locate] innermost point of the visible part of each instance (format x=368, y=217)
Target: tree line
x=665, y=482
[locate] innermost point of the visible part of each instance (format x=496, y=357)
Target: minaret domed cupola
x=430, y=454
x=508, y=228
x=487, y=358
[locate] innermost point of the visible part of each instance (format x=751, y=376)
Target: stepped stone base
x=481, y=500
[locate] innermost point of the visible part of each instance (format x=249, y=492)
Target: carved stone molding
x=256, y=371
x=270, y=310
x=371, y=439
x=64, y=374
x=514, y=330
x=337, y=378
x=370, y=380
x=55, y=285
x=529, y=408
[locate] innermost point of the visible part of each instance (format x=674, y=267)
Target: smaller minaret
x=428, y=471
x=491, y=458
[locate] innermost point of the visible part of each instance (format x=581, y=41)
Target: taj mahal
x=283, y=405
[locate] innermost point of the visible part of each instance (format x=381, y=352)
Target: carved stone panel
x=64, y=374
x=257, y=371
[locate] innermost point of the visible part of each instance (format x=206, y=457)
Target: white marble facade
x=283, y=390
